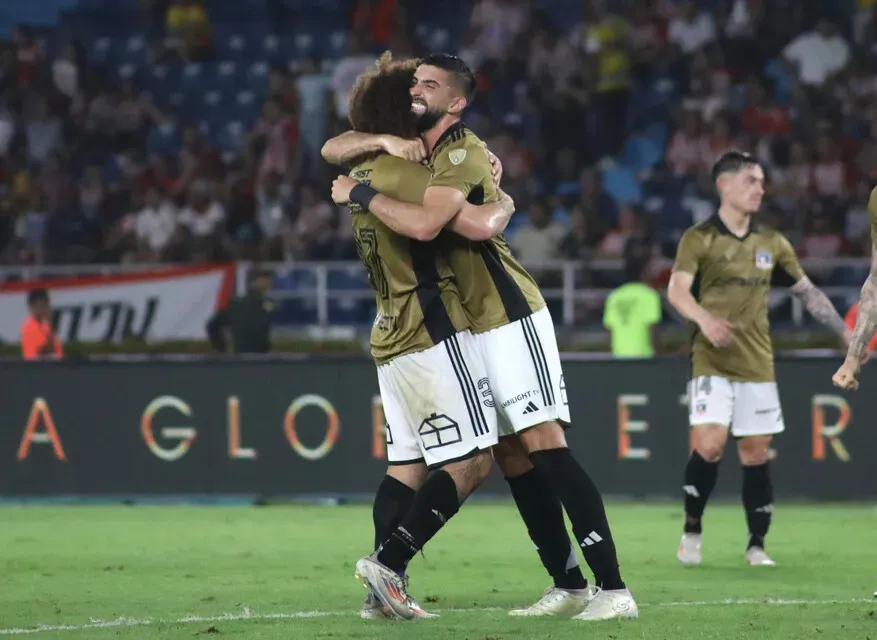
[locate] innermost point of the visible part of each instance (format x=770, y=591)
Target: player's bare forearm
x=419, y=221
x=866, y=321
x=819, y=306
x=679, y=295
x=483, y=222
x=345, y=147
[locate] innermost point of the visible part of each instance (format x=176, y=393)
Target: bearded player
x=866, y=321
x=508, y=314
x=380, y=103
x=721, y=283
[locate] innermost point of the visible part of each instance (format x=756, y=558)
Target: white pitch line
x=247, y=614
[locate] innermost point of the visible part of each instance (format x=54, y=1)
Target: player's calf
x=542, y=514
x=437, y=501
x=701, y=474
x=581, y=499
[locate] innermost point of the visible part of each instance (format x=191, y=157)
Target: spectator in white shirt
x=348, y=69
x=539, y=239
x=203, y=216
x=693, y=30
x=495, y=25
x=65, y=72
x=156, y=223
x=817, y=56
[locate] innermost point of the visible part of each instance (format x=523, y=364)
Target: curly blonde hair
x=380, y=101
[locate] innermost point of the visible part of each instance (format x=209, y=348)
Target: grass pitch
x=287, y=572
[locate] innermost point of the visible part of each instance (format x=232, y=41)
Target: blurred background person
x=38, y=337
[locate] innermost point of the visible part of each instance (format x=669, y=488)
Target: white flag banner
x=167, y=304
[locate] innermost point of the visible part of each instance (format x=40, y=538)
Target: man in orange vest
x=38, y=338
x=850, y=321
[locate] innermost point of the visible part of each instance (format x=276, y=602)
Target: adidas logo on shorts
x=530, y=408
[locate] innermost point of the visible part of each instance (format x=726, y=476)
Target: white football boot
x=607, y=605
x=373, y=609
x=558, y=602
x=690, y=549
x=390, y=588
x=757, y=557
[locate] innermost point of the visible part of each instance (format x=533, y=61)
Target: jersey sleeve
x=462, y=166
x=411, y=183
x=787, y=261
x=689, y=253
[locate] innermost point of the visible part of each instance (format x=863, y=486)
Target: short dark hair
x=37, y=295
x=380, y=101
x=461, y=72
x=732, y=162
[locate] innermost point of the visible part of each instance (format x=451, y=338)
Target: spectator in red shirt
x=38, y=338
x=762, y=118
x=850, y=321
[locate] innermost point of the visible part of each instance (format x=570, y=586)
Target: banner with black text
x=168, y=304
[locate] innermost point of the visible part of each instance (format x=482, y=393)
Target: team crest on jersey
x=457, y=156
x=763, y=260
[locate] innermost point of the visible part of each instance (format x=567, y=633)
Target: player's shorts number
x=367, y=249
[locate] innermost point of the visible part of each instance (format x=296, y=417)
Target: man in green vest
x=633, y=311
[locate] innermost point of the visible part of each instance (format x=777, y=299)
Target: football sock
x=433, y=506
x=758, y=502
x=584, y=506
x=700, y=480
x=542, y=513
x=392, y=501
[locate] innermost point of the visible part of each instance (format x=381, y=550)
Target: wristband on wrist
x=362, y=194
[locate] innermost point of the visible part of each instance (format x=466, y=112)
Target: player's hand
x=718, y=331
x=495, y=167
x=341, y=188
x=846, y=376
x=413, y=150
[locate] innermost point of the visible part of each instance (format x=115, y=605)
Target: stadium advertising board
x=282, y=428
x=170, y=304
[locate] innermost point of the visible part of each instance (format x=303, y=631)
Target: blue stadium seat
x=621, y=185
x=640, y=154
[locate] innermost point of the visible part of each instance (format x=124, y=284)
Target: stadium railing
x=327, y=293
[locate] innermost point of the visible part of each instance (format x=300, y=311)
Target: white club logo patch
x=457, y=156
x=763, y=260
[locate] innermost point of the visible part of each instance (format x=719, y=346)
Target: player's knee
x=754, y=450
x=709, y=442
x=542, y=437
x=411, y=475
x=511, y=457
x=468, y=474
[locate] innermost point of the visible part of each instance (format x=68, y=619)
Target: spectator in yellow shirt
x=188, y=27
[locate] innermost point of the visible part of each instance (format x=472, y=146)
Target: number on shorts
x=704, y=386
x=367, y=249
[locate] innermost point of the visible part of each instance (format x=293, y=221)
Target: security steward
x=246, y=321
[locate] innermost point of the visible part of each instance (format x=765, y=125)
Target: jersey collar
x=457, y=126
x=716, y=221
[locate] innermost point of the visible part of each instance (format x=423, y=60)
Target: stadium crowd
x=606, y=116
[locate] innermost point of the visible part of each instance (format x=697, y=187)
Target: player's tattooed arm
x=483, y=222
x=344, y=148
x=819, y=306
x=866, y=321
